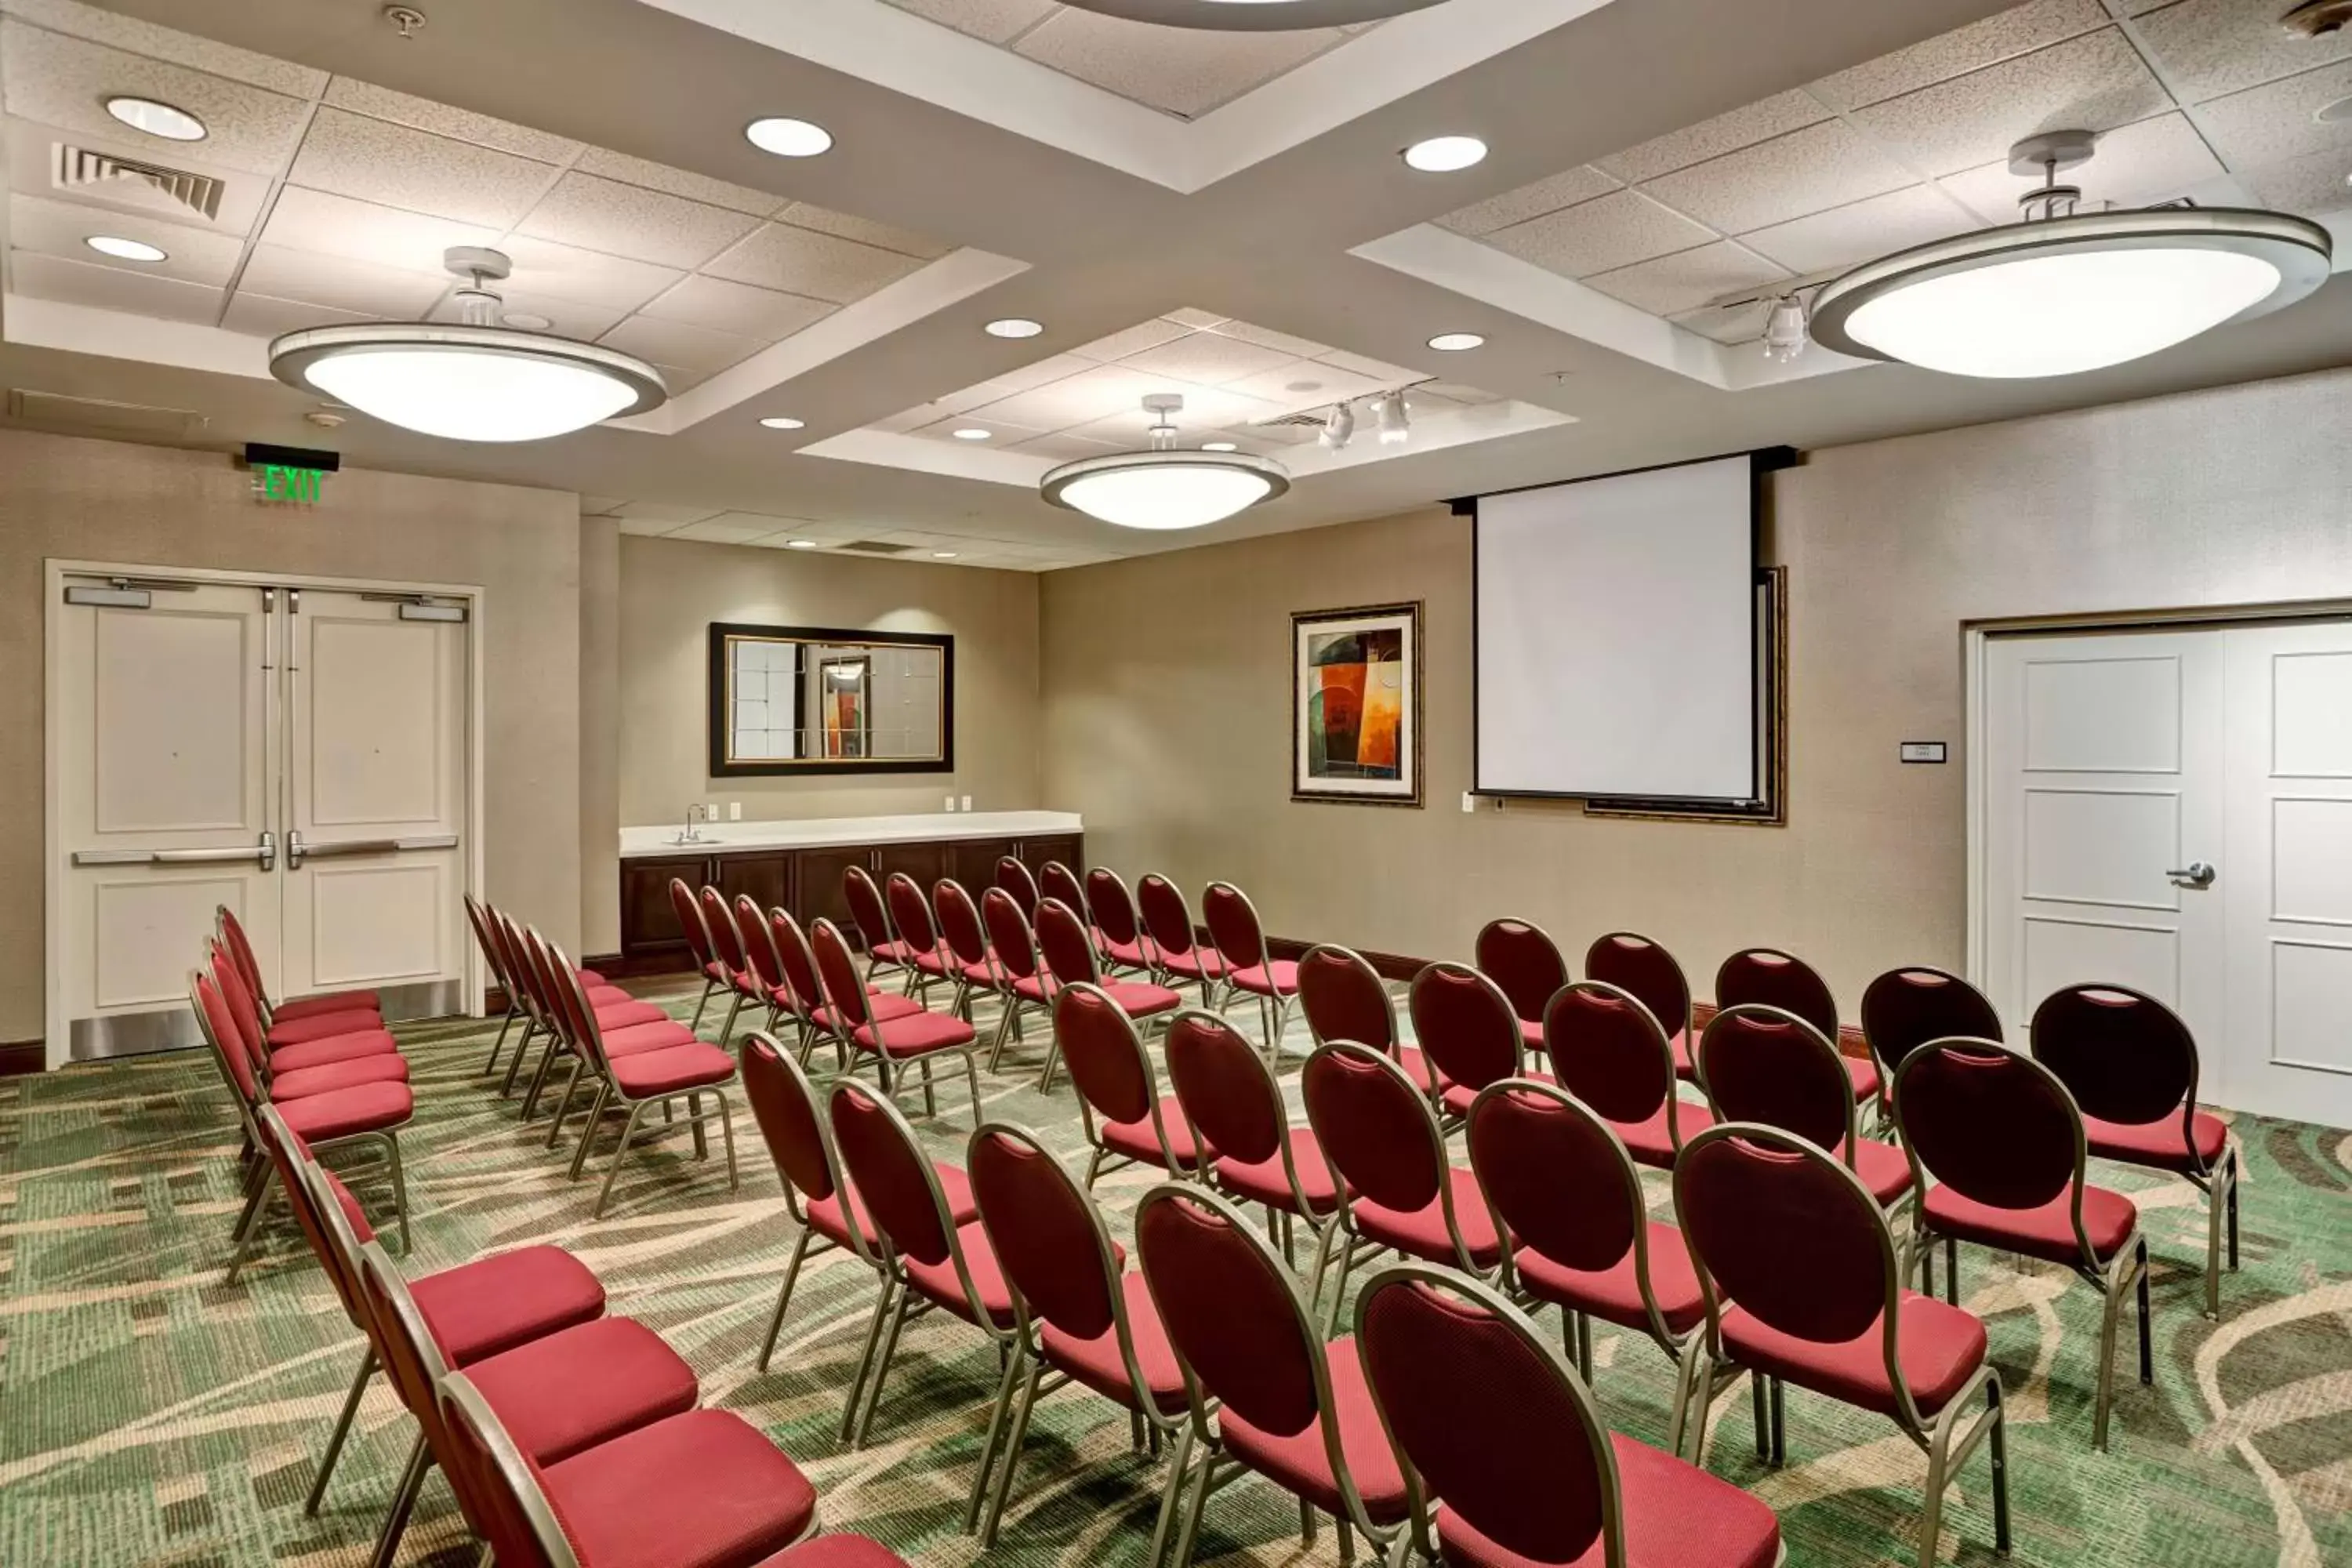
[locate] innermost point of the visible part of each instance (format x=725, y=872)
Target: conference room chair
x=2004, y=1142
x=1116, y=925
x=870, y=913
x=478, y=916
x=1020, y=883
x=1067, y=957
x=1645, y=970
x=1266, y=1394
x=1056, y=880
x=1397, y=1190
x=1240, y=938
x=366, y=1115
x=231, y=932
x=1765, y=1064
x=1521, y=957
x=1468, y=1033
x=919, y=1037
x=1234, y=1107
x=368, y=1054
x=1017, y=974
x=771, y=990
x=1802, y=1284
x=2131, y=1064
x=701, y=946
x=910, y=917
x=1171, y=941
x=626, y=1026
x=1608, y=1049
x=807, y=990
x=1506, y=1459
x=267, y=1035
x=1568, y=1197
x=1127, y=1120
x=930, y=1260
x=1345, y=999
x=966, y=938
x=1079, y=1315
x=727, y=944
x=1905, y=1008
x=1771, y=978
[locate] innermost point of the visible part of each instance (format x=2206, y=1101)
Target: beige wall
x=670, y=592
x=600, y=736
x=1167, y=702
x=112, y=502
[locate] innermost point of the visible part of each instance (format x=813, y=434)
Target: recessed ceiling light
x=973, y=434
x=943, y=554
x=123, y=249
x=157, y=119
x=1014, y=327
x=1445, y=154
x=800, y=545
x=784, y=422
x=2335, y=112
x=1456, y=342
x=1219, y=446
x=524, y=321
x=788, y=137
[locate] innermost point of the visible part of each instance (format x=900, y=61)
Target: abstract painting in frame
x=1355, y=719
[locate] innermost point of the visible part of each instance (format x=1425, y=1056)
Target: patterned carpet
x=150, y=1415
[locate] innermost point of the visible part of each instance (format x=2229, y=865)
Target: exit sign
x=278, y=482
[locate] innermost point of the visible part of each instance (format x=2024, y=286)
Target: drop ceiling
x=1234, y=233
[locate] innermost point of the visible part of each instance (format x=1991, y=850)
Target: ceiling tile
x=2207, y=48
x=2155, y=160
x=1065, y=448
x=801, y=261
x=441, y=119
x=1687, y=278
x=2093, y=83
x=1996, y=39
x=633, y=222
x=1607, y=231
x=1196, y=319
x=1845, y=235
x=684, y=183
x=1184, y=70
x=1455, y=392
x=1077, y=399
x=565, y=318
x=59, y=228
x=1266, y=337
x=1760, y=122
x=645, y=530
x=1808, y=171
x=146, y=38
x=1362, y=365
x=675, y=343
x=1207, y=358
x=719, y=531
x=1001, y=433
x=112, y=289
x=1206, y=407
x=568, y=272
x=1020, y=378
x=670, y=514
x=1132, y=340
x=1306, y=384
x=1547, y=194
x=64, y=82
x=338, y=226
x=714, y=303
x=2271, y=123
x=1743, y=324
x=998, y=21
x=258, y=316
x=341, y=283
x=866, y=231
x=2311, y=184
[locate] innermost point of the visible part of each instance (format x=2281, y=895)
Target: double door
x=297, y=755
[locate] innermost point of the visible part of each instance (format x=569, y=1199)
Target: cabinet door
x=648, y=922
x=817, y=885
x=973, y=862
x=1069, y=848
x=924, y=862
x=768, y=878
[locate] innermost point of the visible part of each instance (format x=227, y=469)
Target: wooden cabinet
x=816, y=881
x=649, y=921
x=973, y=861
x=1069, y=848
x=926, y=863
x=766, y=877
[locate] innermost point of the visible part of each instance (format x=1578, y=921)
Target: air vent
x=98, y=416
x=1310, y=420
x=83, y=171
x=874, y=547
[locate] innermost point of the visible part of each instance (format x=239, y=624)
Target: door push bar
x=264, y=853
x=297, y=851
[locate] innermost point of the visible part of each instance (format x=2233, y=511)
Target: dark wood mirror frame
x=718, y=717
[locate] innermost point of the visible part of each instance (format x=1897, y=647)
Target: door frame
x=56, y=570
x=1975, y=635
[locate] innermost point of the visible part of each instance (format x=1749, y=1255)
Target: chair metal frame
x=1499, y=929
x=1274, y=1008
x=1100, y=880
x=883, y=950
x=847, y=1021
x=1018, y=882
x=1214, y=966
x=478, y=916
x=1080, y=942
x=1440, y=1081
x=1391, y=1043
x=734, y=954
x=894, y=887
x=1685, y=1026
x=1673, y=1104
x=1300, y=1208
x=687, y=904
x=1001, y=976
x=1106, y=1159
x=1885, y=1062
x=946, y=891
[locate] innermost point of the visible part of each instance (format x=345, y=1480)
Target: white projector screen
x=1616, y=635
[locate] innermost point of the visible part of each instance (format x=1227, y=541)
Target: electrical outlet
x=967, y=803
x=734, y=811
x=951, y=805
x=1469, y=801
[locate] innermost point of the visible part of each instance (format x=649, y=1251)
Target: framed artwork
x=1355, y=705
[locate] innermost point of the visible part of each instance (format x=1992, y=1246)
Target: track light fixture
x=1395, y=421
x=1338, y=426
x=1784, y=329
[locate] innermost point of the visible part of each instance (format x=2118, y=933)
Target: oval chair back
x=1374, y=1127
x=411, y=1361
x=1063, y=944
x=1009, y=936
x=298, y=1174
x=765, y=963
x=687, y=908
x=1108, y=1064
x=1235, y=929
x=1776, y=979
x=1167, y=917
x=726, y=941
x=1765, y=1064
x=959, y=921
x=869, y=914
x=798, y=962
x=510, y=1511
x=1047, y=1234
x=1345, y=999
x=1559, y=1180
x=240, y=948
x=2123, y=1055
x=476, y=916
x=1112, y=909
x=219, y=1026
x=1905, y=1008
x=1227, y=1091
x=1608, y=1049
x=508, y=934
x=837, y=970
x=1521, y=957
x=1466, y=1030
x=784, y=1105
x=1018, y=881
x=910, y=917
x=247, y=1048
x=893, y=1178
x=1056, y=880
x=1645, y=970
x=1997, y=1128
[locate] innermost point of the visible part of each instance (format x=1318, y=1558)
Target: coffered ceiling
x=1223, y=216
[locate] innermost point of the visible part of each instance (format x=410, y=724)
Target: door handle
x=265, y=852
x=2196, y=873
x=297, y=851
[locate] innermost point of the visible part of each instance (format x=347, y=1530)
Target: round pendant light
x=474, y=380
x=1253, y=15
x=1165, y=489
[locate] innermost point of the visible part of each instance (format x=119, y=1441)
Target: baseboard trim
x=20, y=1058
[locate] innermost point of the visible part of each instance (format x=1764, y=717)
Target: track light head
x=1338, y=426
x=1784, y=329
x=1395, y=420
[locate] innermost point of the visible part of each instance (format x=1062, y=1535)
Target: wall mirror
x=795, y=699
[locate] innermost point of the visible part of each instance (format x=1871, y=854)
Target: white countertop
x=719, y=837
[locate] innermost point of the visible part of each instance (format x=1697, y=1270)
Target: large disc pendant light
x=1165, y=488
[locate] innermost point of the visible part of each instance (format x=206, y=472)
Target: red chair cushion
x=938, y=1280
x=1614, y=1293
x=887, y=1006
x=1298, y=1463
x=2109, y=1220
x=1648, y=1141
x=334, y=1049
x=659, y=1035
x=1279, y=978
x=1140, y=999
x=1864, y=1074
x=1423, y=1235
x=607, y=996
x=628, y=1015
x=1127, y=953
x=590, y=977
x=303, y=1082
x=1266, y=1182
x=1136, y=1140
x=1456, y=1097
x=1882, y=1168
x=1676, y=1515
x=493, y=1304
x=328, y=1002
x=705, y=1489
x=917, y=1034
x=567, y=1392
x=1941, y=1348
x=892, y=952
x=1531, y=1033
x=2159, y=1143
x=825, y=1215
x=341, y=1113
x=1416, y=1067
x=320, y=1026
x=1033, y=987
x=1098, y=1363
x=1680, y=1045
x=939, y=962
x=650, y=1073
x=358, y=1218
x=834, y=1549
x=1201, y=963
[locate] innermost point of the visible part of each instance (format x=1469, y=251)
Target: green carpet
x=149, y=1414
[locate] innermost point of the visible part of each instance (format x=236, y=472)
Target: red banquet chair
x=1566, y=1193
x=1905, y=1008
x=322, y=1004
x=1176, y=952
x=910, y=917
x=1118, y=928
x=1080, y=1314
x=805, y=991
x=717, y=978
x=1234, y=1106
x=1468, y=1033
x=1240, y=937
x=870, y=913
x=853, y=1015
x=1645, y=971
x=478, y=916
x=963, y=935
x=1775, y=979
x=1521, y=957
x=930, y=1259
x=1345, y=999
x=1018, y=883
x=308, y=1066
x=2001, y=1136
x=1127, y=1120
x=730, y=946
x=1266, y=1393
x=1802, y=1284
x=2131, y=1064
x=1397, y=1190
x=626, y=1023
x=1068, y=958
x=1768, y=1065
x=1491, y=1427
x=1056, y=880
x=772, y=989
x=1608, y=1050
x=1021, y=983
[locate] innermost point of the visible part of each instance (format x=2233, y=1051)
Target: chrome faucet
x=693, y=816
